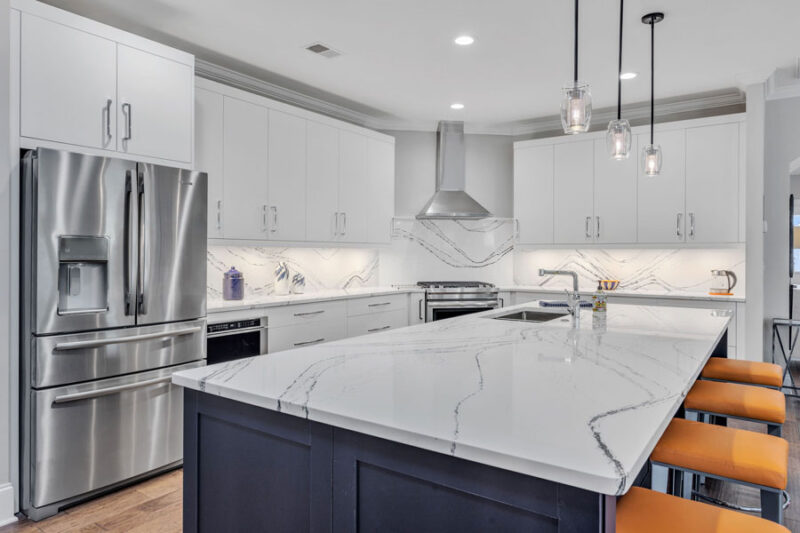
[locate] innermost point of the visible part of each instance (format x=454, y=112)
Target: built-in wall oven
x=448, y=299
x=236, y=339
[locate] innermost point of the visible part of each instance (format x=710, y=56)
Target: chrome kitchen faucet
x=574, y=297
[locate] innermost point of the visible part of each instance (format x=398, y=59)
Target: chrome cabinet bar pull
x=379, y=305
x=310, y=313
x=420, y=310
x=128, y=112
x=344, y=223
x=263, y=218
x=336, y=223
x=691, y=225
x=306, y=343
x=219, y=214
x=96, y=343
x=108, y=119
x=598, y=226
x=586, y=227
x=274, y=210
x=373, y=330
x=88, y=395
x=680, y=219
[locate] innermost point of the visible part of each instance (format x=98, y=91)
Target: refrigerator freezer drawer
x=64, y=359
x=94, y=435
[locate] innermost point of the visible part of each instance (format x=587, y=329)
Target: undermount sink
x=531, y=315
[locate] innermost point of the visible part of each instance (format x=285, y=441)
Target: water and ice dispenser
x=82, y=274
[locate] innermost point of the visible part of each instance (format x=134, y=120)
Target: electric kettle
x=722, y=283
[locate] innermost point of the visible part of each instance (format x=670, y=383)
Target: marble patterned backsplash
x=639, y=270
x=323, y=268
x=457, y=250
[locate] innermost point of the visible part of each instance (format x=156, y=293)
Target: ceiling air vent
x=324, y=51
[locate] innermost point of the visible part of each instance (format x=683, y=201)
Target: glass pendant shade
x=576, y=107
x=651, y=160
x=618, y=139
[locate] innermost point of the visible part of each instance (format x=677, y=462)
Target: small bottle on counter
x=599, y=300
x=232, y=285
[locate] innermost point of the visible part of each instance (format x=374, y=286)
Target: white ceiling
x=399, y=58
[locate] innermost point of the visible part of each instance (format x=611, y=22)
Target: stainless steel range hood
x=450, y=201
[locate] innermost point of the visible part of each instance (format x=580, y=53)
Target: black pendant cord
x=619, y=73
x=576, y=42
x=652, y=77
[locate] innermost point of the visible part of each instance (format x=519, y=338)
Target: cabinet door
x=245, y=164
x=156, y=105
x=712, y=183
x=322, y=181
x=614, y=196
x=573, y=173
x=380, y=172
x=287, y=177
x=661, y=198
x=353, y=187
x=533, y=194
x=68, y=85
x=208, y=115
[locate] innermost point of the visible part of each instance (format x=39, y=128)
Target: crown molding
x=783, y=83
x=693, y=103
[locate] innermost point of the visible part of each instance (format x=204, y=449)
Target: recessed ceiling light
x=628, y=75
x=464, y=40
x=456, y=106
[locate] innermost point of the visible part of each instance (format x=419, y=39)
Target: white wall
x=754, y=229
x=489, y=171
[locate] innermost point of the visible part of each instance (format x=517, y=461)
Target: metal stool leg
x=775, y=429
x=771, y=507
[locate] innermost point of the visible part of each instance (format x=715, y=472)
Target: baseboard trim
x=7, y=504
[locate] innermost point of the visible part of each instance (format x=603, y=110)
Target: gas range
x=447, y=299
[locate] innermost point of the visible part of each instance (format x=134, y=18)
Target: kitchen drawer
x=304, y=313
x=372, y=323
x=374, y=304
x=306, y=334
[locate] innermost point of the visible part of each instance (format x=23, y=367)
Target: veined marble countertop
x=274, y=300
x=584, y=407
x=673, y=295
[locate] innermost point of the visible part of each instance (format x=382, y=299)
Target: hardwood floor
x=154, y=506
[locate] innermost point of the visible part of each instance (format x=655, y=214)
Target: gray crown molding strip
x=783, y=83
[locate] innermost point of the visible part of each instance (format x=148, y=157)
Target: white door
x=245, y=169
x=68, y=85
x=712, y=183
x=209, y=123
x=661, y=209
x=533, y=194
x=322, y=181
x=156, y=105
x=573, y=174
x=353, y=187
x=614, y=196
x=287, y=177
x=380, y=172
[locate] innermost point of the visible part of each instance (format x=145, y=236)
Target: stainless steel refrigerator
x=113, y=302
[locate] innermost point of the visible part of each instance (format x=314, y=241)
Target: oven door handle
x=235, y=332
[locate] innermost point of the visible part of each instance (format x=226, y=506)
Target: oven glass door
x=443, y=310
x=238, y=345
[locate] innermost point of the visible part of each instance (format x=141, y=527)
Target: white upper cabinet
x=573, y=172
x=380, y=173
x=287, y=177
x=68, y=85
x=322, y=187
x=712, y=183
x=533, y=194
x=661, y=218
x=353, y=187
x=614, y=196
x=155, y=105
x=91, y=88
x=246, y=138
x=208, y=149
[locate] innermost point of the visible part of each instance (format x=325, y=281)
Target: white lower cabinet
x=375, y=322
x=416, y=308
x=306, y=334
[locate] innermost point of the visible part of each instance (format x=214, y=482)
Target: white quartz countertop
x=274, y=300
x=584, y=407
x=672, y=295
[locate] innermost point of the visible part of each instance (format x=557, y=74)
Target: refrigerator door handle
x=88, y=395
x=128, y=242
x=140, y=302
x=96, y=343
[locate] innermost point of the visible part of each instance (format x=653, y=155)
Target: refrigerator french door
x=114, y=290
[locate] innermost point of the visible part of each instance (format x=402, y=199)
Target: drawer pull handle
x=95, y=343
x=88, y=395
x=306, y=343
x=310, y=313
x=378, y=329
x=380, y=304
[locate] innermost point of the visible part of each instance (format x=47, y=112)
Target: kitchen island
x=468, y=424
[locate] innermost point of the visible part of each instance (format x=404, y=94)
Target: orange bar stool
x=749, y=372
x=647, y=510
x=745, y=457
x=733, y=400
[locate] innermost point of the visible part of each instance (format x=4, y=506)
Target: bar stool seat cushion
x=724, y=452
x=734, y=399
x=642, y=510
x=754, y=372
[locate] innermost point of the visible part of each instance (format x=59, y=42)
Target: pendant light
x=651, y=154
x=576, y=99
x=618, y=136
